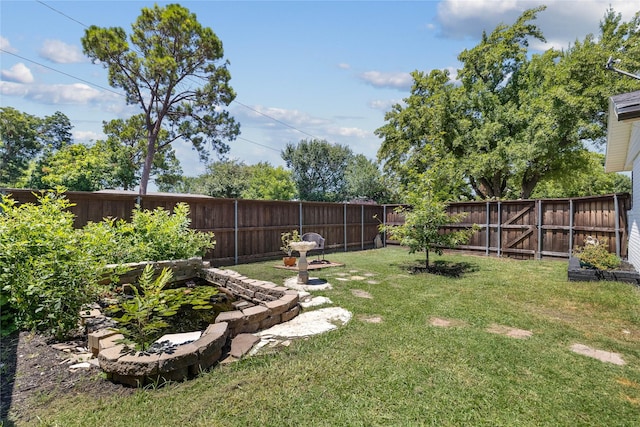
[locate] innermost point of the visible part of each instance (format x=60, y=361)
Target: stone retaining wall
x=265, y=305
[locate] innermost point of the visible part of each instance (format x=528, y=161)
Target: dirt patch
x=361, y=294
x=33, y=374
x=509, y=331
x=370, y=319
x=446, y=323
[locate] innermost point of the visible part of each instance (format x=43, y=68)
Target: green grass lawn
x=403, y=371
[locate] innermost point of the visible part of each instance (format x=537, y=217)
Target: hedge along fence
x=245, y=230
x=529, y=229
x=249, y=230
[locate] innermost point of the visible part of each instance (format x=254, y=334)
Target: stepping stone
x=370, y=319
x=357, y=278
x=342, y=279
x=361, y=294
x=314, y=302
x=242, y=344
x=445, y=323
x=601, y=355
x=373, y=282
x=509, y=331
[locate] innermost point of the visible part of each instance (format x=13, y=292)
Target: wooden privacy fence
x=544, y=228
x=245, y=230
x=249, y=230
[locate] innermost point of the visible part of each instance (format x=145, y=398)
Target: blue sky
x=301, y=69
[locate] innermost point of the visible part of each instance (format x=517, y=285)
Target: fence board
x=541, y=228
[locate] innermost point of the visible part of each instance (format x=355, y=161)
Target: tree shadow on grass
x=444, y=268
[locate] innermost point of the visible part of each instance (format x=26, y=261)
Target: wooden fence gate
x=528, y=229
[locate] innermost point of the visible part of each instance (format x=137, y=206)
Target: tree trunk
x=148, y=162
x=426, y=252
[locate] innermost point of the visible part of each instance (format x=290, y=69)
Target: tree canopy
x=24, y=137
x=515, y=118
x=171, y=66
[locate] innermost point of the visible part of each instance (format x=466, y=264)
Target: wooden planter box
x=577, y=273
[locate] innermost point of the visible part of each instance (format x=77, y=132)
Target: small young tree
x=424, y=216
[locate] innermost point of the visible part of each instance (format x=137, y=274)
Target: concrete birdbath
x=303, y=248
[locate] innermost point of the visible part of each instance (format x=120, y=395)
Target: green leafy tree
x=269, y=183
x=318, y=169
x=516, y=118
x=365, y=181
x=127, y=144
x=76, y=167
x=589, y=181
x=170, y=67
x=24, y=137
x=424, y=218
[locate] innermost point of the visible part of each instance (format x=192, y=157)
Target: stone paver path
x=361, y=294
x=370, y=318
x=603, y=356
x=445, y=323
x=509, y=331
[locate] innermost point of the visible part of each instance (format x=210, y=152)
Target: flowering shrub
x=595, y=254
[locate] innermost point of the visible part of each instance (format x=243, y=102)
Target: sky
x=300, y=69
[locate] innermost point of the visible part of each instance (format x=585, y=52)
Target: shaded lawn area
x=403, y=371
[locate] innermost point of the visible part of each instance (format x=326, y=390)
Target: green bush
x=150, y=236
x=47, y=269
x=596, y=254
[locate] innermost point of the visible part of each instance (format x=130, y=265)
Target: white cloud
x=385, y=104
x=269, y=115
x=77, y=93
x=399, y=80
x=349, y=132
x=61, y=53
x=344, y=66
x=19, y=73
x=86, y=136
x=6, y=46
x=562, y=22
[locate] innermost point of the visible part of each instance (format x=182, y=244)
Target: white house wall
x=633, y=216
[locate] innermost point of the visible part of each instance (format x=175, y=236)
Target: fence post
x=235, y=230
x=345, y=227
x=617, y=222
x=300, y=219
x=570, y=227
x=499, y=229
x=539, y=254
x=384, y=224
x=488, y=231
x=362, y=227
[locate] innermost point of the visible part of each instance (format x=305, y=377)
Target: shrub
x=595, y=254
x=47, y=268
x=150, y=236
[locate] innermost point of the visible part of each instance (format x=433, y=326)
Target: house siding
x=634, y=217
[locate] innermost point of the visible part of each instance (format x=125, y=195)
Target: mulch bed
x=32, y=374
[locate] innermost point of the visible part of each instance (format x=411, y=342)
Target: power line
x=61, y=13
x=236, y=101
x=61, y=72
x=275, y=120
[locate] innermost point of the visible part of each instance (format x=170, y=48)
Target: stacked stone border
x=265, y=305
x=576, y=273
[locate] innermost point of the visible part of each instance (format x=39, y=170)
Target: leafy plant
x=145, y=316
x=145, y=313
x=595, y=253
x=288, y=237
x=47, y=268
x=150, y=236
